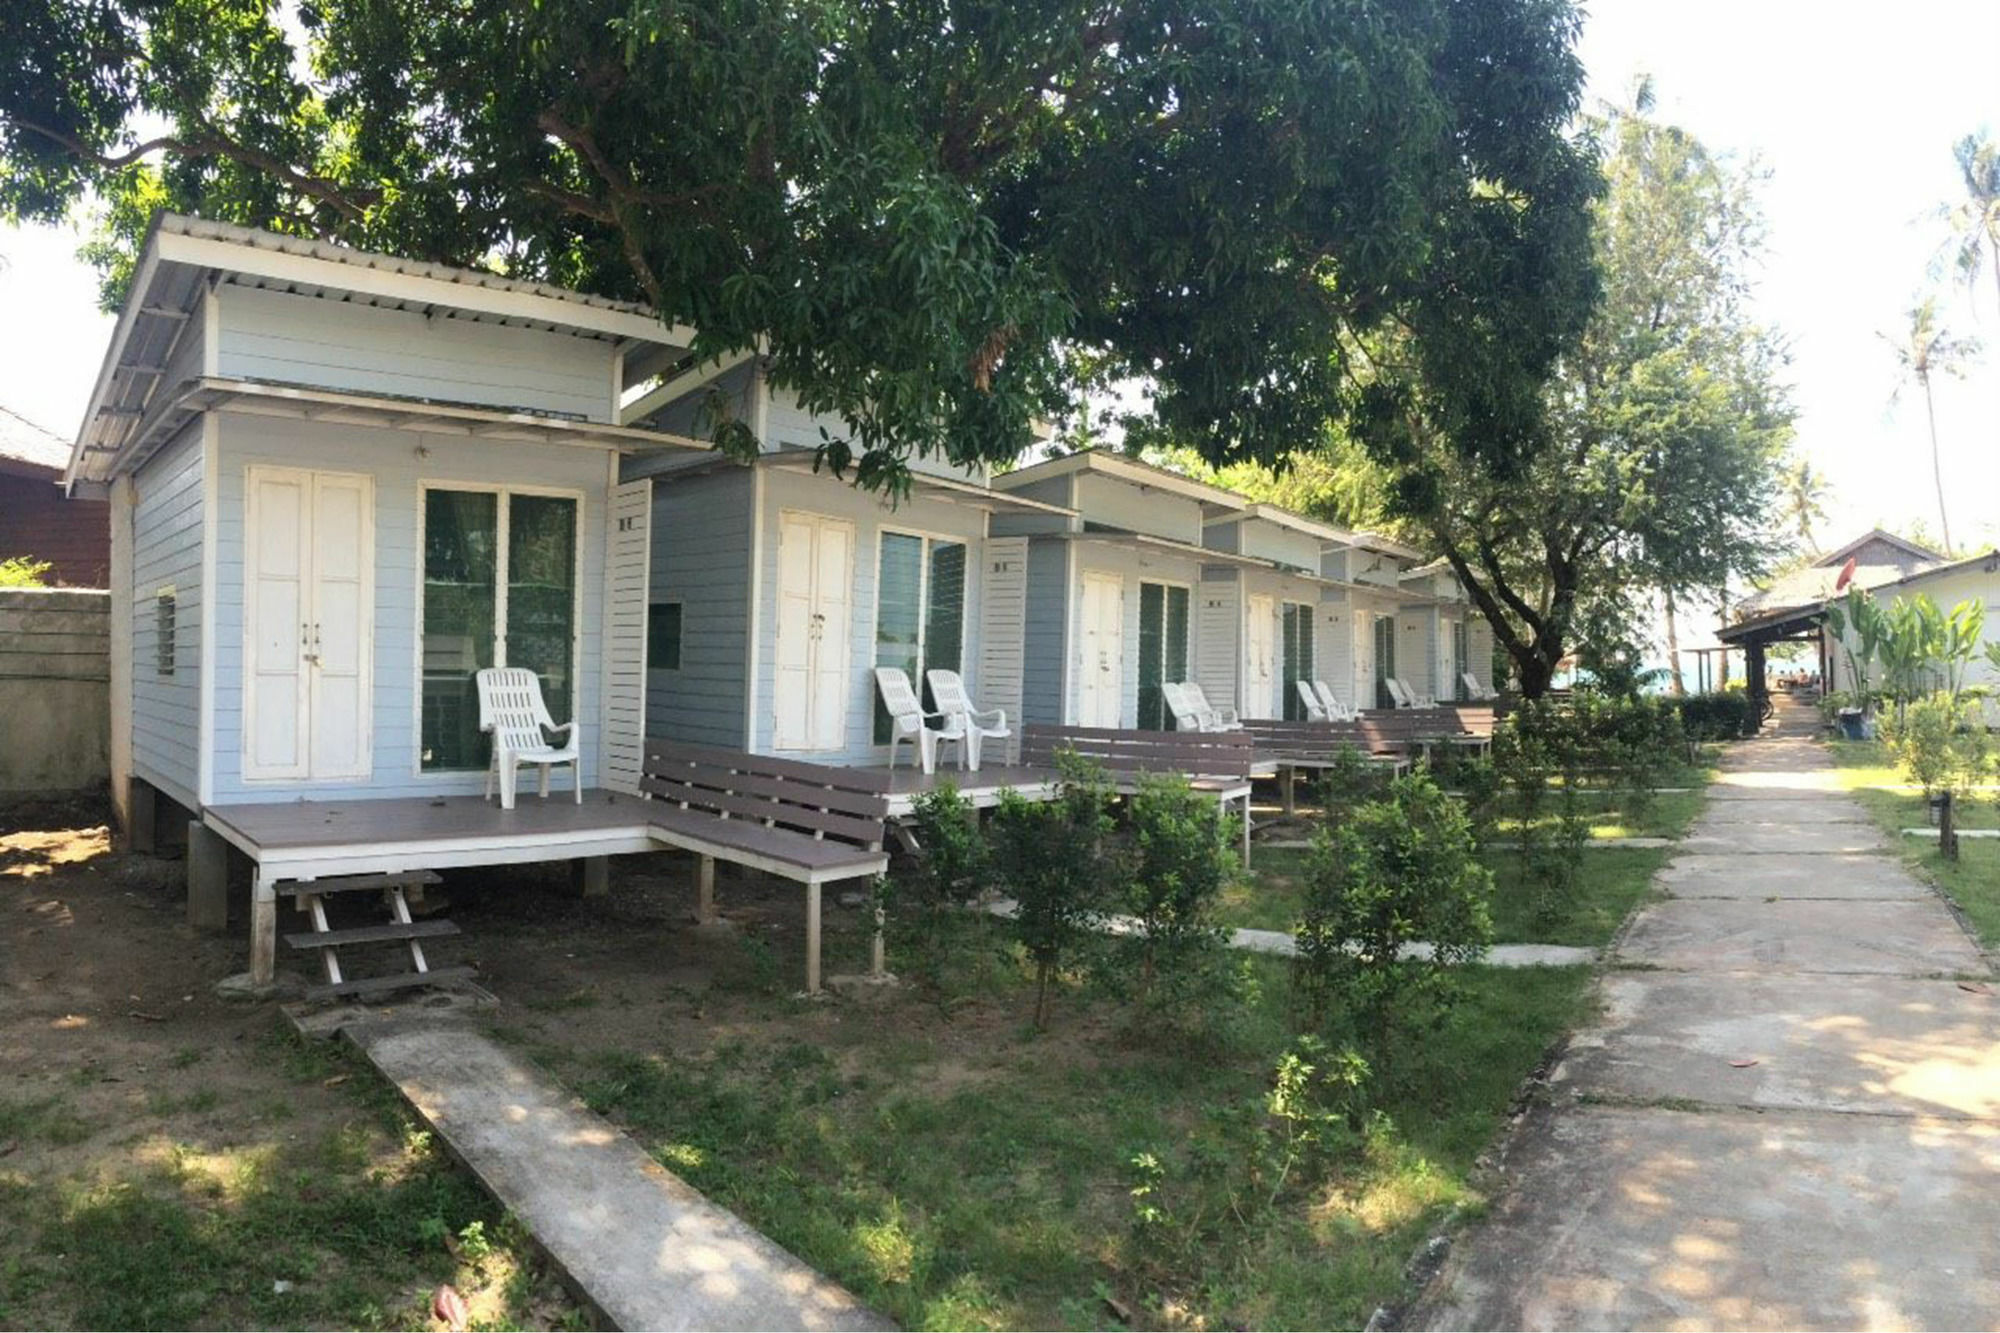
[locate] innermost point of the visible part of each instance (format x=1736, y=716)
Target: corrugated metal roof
x=184, y=225
x=25, y=442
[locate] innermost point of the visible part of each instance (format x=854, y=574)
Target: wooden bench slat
x=842, y=779
x=820, y=858
x=697, y=794
x=865, y=805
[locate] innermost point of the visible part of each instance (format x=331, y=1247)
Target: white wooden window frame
x=502, y=516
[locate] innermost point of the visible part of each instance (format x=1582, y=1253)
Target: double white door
x=1260, y=651
x=309, y=596
x=815, y=616
x=1101, y=652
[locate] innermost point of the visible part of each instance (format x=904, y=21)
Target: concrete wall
x=55, y=647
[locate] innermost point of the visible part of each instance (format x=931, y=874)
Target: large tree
x=1927, y=348
x=938, y=217
x=1667, y=424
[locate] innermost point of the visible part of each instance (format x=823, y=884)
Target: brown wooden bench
x=1316, y=746
x=813, y=823
x=1422, y=728
x=1220, y=763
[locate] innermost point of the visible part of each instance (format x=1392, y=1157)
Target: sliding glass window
x=499, y=590
x=1163, y=650
x=919, y=612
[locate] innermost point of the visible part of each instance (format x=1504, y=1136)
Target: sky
x=1852, y=110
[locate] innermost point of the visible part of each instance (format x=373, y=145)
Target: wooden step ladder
x=310, y=895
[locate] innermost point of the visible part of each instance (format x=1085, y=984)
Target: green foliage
x=20, y=571
x=1349, y=779
x=1057, y=860
x=940, y=224
x=1942, y=743
x=1399, y=871
x=1722, y=715
x=1664, y=432
x=1180, y=861
x=953, y=869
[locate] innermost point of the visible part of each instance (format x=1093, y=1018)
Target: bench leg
x=812, y=939
x=1246, y=830
x=878, y=953
x=1288, y=781
x=263, y=930
x=208, y=878
x=704, y=891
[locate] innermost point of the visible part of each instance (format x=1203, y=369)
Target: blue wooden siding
x=392, y=459
x=1045, y=636
x=290, y=339
x=784, y=489
x=701, y=559
x=166, y=549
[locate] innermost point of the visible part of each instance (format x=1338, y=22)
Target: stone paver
x=645, y=1247
x=1782, y=1118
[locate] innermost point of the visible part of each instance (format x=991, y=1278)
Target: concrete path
x=1788, y=1115
x=639, y=1243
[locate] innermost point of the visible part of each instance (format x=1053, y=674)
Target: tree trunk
x=1937, y=466
x=1674, y=649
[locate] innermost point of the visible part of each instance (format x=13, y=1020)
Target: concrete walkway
x=1788, y=1115
x=638, y=1242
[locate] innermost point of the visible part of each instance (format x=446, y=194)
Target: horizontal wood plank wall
x=332, y=344
x=166, y=553
x=72, y=536
x=54, y=667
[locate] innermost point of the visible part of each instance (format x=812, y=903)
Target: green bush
x=1724, y=715
x=20, y=571
x=1942, y=744
x=1399, y=871
x=1180, y=861
x=953, y=869
x=1348, y=780
x=1056, y=859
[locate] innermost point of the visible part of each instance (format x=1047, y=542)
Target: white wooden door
x=309, y=579
x=815, y=575
x=277, y=623
x=1101, y=661
x=1260, y=667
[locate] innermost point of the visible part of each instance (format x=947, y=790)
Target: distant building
x=74, y=536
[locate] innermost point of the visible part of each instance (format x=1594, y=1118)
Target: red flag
x=1846, y=575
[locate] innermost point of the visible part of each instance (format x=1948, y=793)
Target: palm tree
x=1805, y=500
x=1927, y=350
x=1975, y=219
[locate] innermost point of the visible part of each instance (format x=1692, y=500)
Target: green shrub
x=1348, y=780
x=1180, y=861
x=1057, y=861
x=953, y=869
x=1724, y=715
x=1942, y=744
x=1401, y=870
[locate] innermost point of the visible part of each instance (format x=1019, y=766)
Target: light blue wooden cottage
x=341, y=483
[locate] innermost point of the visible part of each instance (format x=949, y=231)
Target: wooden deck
x=309, y=839
x=982, y=788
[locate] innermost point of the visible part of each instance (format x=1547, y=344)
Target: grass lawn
x=1973, y=882
x=956, y=1169
x=1615, y=880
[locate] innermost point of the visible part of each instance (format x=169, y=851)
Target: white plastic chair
x=1397, y=698
x=1336, y=711
x=1186, y=716
x=1411, y=699
x=1212, y=718
x=1474, y=691
x=976, y=725
x=511, y=708
x=1315, y=710
x=907, y=719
